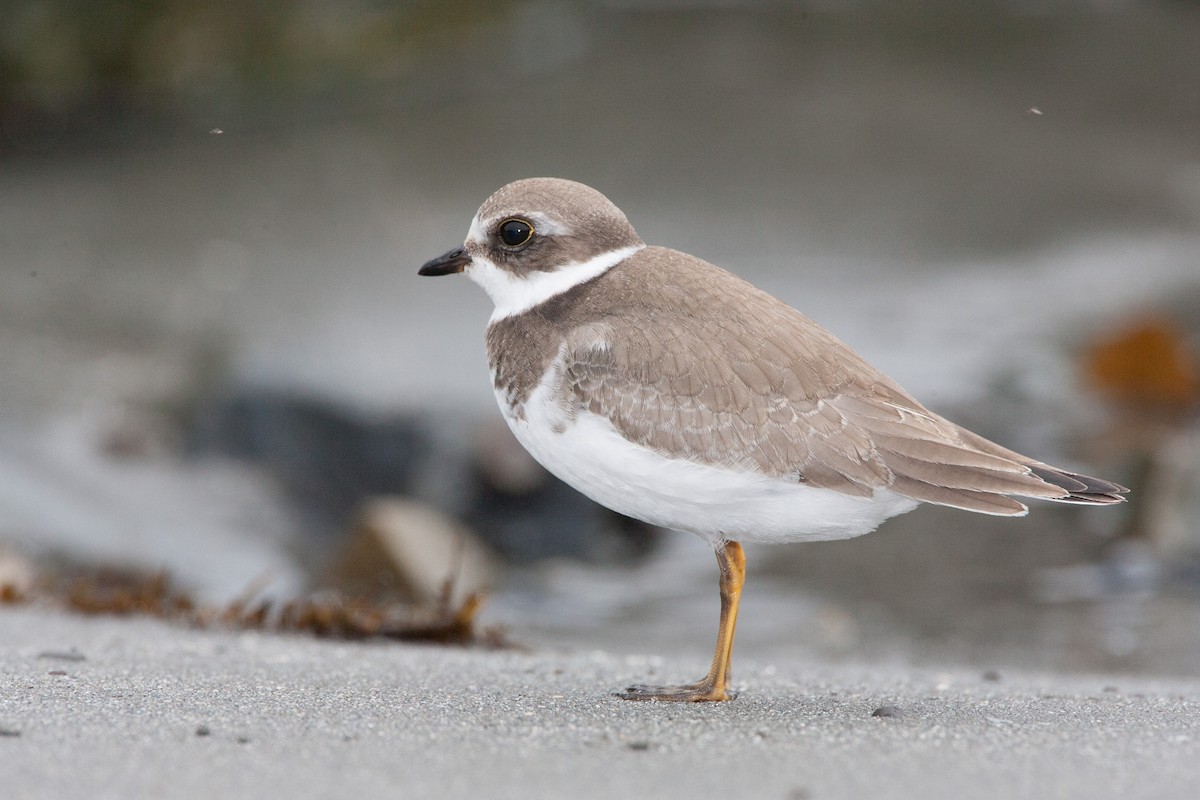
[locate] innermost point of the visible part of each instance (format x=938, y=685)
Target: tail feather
x=1082, y=489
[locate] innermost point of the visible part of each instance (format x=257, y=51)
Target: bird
x=672, y=391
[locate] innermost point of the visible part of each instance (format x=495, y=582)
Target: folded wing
x=767, y=389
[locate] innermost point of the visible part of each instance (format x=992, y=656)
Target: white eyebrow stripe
x=550, y=227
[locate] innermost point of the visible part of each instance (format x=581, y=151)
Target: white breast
x=719, y=504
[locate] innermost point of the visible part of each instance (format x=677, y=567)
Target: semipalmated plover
x=672, y=391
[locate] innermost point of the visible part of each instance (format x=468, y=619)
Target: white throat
x=515, y=295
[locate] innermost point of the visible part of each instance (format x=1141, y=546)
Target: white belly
x=713, y=502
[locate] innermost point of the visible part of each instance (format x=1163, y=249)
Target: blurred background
x=216, y=357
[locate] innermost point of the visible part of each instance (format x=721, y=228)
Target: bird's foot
x=700, y=692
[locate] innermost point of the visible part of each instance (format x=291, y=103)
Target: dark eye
x=515, y=232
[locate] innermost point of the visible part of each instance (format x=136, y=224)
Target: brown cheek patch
x=549, y=252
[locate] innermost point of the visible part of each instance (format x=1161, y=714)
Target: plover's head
x=536, y=238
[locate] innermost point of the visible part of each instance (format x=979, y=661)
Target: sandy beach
x=125, y=707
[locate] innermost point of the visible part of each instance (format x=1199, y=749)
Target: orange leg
x=714, y=687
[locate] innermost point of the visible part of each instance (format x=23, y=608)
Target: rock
x=16, y=574
x=405, y=549
x=328, y=457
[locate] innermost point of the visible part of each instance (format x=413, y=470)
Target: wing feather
x=761, y=386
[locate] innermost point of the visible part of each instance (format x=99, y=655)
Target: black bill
x=454, y=261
